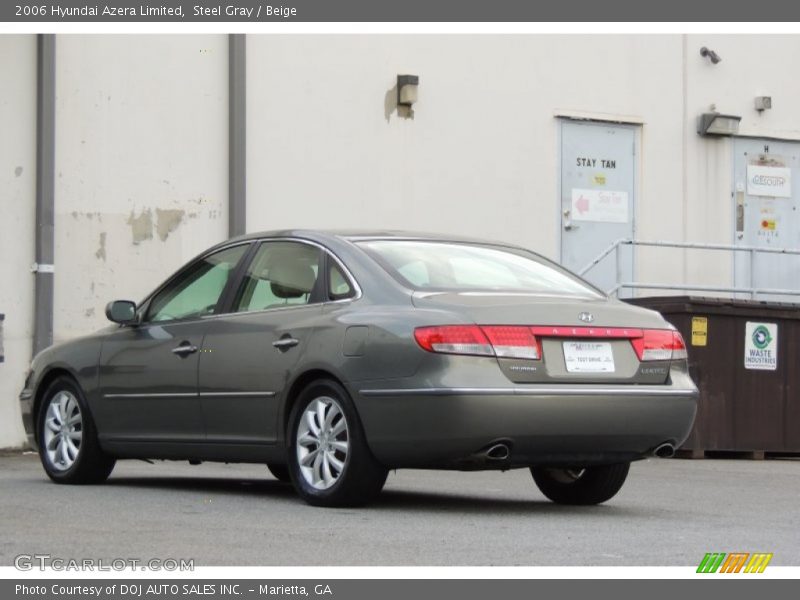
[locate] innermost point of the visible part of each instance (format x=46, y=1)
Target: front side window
x=281, y=274
x=454, y=266
x=197, y=290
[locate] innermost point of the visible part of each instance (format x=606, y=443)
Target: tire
x=331, y=465
x=590, y=485
x=280, y=472
x=67, y=437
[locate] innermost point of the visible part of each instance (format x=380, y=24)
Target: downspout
x=684, y=155
x=45, y=186
x=237, y=134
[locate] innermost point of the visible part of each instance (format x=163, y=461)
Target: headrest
x=291, y=279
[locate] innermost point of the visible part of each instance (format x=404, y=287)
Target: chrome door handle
x=285, y=343
x=184, y=350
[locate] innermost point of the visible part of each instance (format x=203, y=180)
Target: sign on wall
x=604, y=206
x=769, y=181
x=761, y=346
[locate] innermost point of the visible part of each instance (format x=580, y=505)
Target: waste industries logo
x=735, y=562
x=761, y=346
x=761, y=337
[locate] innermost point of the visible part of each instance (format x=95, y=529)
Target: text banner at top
x=467, y=11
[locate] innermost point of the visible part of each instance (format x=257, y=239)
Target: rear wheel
x=280, y=472
x=68, y=446
x=580, y=486
x=329, y=460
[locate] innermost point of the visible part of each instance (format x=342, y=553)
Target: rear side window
x=281, y=274
x=339, y=287
x=454, y=266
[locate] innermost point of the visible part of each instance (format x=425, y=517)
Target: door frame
x=633, y=123
x=734, y=139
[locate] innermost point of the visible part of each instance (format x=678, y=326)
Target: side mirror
x=121, y=311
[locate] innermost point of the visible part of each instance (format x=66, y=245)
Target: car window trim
x=328, y=252
x=144, y=307
x=330, y=264
x=232, y=287
x=314, y=296
x=248, y=256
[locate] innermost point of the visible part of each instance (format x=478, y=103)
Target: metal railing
x=751, y=290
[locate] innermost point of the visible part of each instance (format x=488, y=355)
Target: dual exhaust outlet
x=500, y=452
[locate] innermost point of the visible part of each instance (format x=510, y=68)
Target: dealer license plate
x=588, y=357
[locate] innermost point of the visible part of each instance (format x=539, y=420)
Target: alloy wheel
x=63, y=431
x=323, y=443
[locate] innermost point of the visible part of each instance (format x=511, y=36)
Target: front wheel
x=67, y=437
x=580, y=486
x=329, y=460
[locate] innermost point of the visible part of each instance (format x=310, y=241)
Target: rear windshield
x=454, y=266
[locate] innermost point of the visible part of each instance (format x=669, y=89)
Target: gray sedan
x=334, y=357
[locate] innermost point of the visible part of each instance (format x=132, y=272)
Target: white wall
x=141, y=166
x=17, y=203
x=480, y=156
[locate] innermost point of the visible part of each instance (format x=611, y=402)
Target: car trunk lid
x=581, y=339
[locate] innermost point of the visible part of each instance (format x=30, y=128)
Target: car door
x=251, y=351
x=148, y=372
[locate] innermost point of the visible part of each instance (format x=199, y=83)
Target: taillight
x=454, y=339
x=523, y=342
x=513, y=342
x=501, y=341
x=659, y=344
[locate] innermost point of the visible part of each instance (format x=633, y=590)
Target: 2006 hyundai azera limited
x=334, y=357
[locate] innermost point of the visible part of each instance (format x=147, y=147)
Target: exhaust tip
x=498, y=452
x=665, y=450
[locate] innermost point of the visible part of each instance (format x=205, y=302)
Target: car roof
x=353, y=235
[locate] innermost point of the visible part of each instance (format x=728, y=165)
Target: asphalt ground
x=670, y=512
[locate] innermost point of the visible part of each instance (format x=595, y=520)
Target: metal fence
x=751, y=290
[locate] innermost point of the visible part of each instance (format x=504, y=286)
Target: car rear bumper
x=575, y=425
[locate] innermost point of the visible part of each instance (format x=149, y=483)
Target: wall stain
x=89, y=312
x=101, y=251
x=168, y=221
x=141, y=226
x=17, y=171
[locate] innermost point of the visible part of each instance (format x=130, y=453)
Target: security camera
x=712, y=56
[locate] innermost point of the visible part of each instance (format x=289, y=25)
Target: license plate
x=588, y=357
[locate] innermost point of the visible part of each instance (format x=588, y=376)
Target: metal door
x=766, y=188
x=598, y=184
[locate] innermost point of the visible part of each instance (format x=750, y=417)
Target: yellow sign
x=699, y=331
x=600, y=179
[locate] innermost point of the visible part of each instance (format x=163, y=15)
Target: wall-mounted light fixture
x=716, y=124
x=407, y=90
